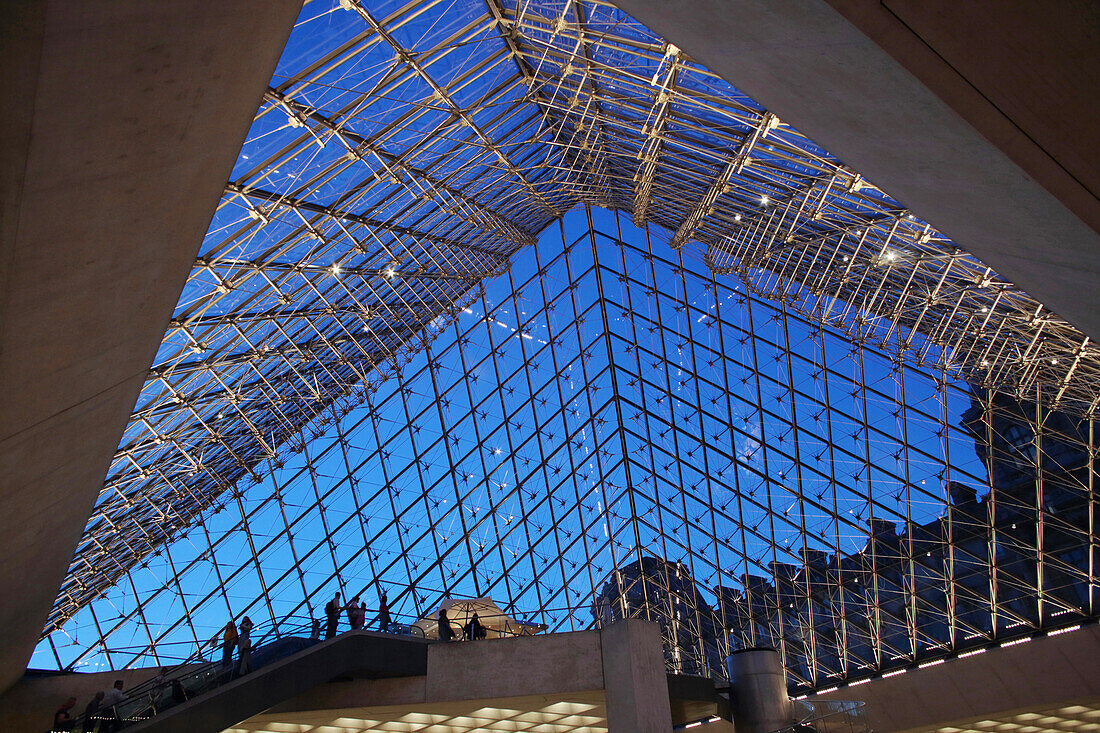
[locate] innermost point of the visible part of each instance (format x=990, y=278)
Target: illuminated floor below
x=584, y=712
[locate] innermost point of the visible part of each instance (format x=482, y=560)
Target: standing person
x=62, y=719
x=179, y=693
x=383, y=613
x=92, y=713
x=446, y=633
x=362, y=615
x=315, y=632
x=332, y=612
x=158, y=682
x=353, y=613
x=477, y=631
x=244, y=643
x=108, y=708
x=229, y=643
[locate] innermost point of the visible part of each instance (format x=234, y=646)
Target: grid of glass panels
x=406, y=155
x=601, y=403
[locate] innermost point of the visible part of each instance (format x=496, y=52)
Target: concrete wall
x=625, y=659
x=537, y=665
x=534, y=665
x=122, y=120
x=1040, y=674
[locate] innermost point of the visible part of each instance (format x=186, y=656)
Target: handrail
x=820, y=710
x=150, y=694
x=198, y=656
x=292, y=670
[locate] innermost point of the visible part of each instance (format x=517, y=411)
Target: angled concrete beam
x=124, y=120
x=1046, y=673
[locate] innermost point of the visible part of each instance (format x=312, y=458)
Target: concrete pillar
x=758, y=691
x=634, y=678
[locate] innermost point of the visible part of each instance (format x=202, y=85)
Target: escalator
x=281, y=670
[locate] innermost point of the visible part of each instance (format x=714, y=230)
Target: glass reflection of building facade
x=503, y=297
x=662, y=591
x=946, y=585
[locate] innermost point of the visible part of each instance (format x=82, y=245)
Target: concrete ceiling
x=982, y=123
x=576, y=713
x=122, y=121
x=584, y=712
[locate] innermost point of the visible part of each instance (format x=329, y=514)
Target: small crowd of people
x=356, y=611
x=472, y=631
x=100, y=714
x=239, y=639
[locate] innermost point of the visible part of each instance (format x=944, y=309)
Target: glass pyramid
x=522, y=302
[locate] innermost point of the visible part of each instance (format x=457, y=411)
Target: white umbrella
x=461, y=610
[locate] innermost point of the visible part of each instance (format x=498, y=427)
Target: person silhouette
x=446, y=633
x=245, y=645
x=383, y=613
x=92, y=712
x=332, y=613
x=229, y=643
x=354, y=620
x=62, y=719
x=477, y=631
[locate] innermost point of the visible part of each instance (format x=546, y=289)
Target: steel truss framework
x=608, y=401
x=332, y=404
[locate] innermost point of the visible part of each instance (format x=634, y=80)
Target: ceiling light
x=1063, y=631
